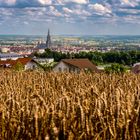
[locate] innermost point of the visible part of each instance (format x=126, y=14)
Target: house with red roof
x=136, y=68
x=27, y=63
x=75, y=65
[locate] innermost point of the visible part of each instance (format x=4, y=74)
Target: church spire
x=48, y=32
x=48, y=42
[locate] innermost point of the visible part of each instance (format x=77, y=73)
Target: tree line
x=124, y=58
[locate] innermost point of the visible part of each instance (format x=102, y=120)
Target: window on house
x=70, y=69
x=59, y=69
x=34, y=66
x=73, y=69
x=78, y=70
x=65, y=69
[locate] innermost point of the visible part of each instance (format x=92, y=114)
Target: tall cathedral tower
x=48, y=42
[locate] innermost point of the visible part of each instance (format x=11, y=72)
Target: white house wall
x=65, y=68
x=30, y=65
x=61, y=65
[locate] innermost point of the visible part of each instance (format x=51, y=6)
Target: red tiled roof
x=136, y=69
x=81, y=63
x=12, y=63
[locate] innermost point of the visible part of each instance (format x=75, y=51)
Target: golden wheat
x=67, y=106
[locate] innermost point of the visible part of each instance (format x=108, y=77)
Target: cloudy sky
x=86, y=17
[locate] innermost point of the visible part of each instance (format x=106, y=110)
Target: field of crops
x=62, y=106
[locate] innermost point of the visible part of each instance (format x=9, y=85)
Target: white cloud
x=8, y=2
x=74, y=1
x=26, y=23
x=73, y=11
x=100, y=9
x=129, y=11
x=78, y=1
x=54, y=12
x=131, y=3
x=45, y=2
x=70, y=20
x=6, y=12
x=67, y=10
x=78, y=11
x=131, y=19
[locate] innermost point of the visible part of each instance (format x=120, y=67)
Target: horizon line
x=71, y=34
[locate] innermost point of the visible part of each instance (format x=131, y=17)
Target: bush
x=115, y=68
x=18, y=67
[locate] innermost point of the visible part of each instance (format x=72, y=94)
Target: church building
x=43, y=46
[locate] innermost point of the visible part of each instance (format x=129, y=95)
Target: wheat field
x=63, y=106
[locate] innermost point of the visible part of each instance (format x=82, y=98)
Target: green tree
x=48, y=66
x=115, y=68
x=18, y=67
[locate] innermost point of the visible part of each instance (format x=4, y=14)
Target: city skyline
x=76, y=17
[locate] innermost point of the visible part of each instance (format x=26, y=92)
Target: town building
x=4, y=50
x=75, y=65
x=44, y=61
x=14, y=56
x=27, y=63
x=42, y=46
x=48, y=42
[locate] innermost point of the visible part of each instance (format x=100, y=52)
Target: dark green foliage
x=115, y=68
x=125, y=58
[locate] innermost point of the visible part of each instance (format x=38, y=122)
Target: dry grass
x=50, y=106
